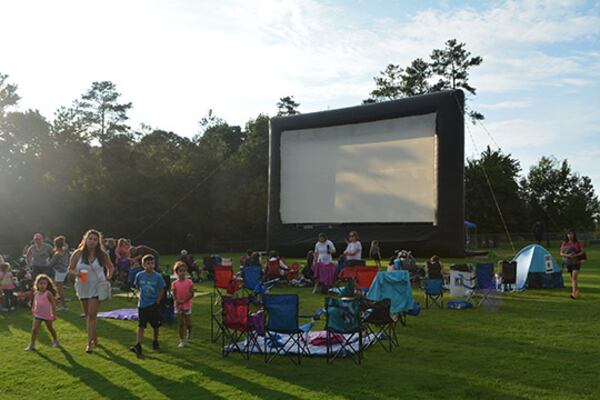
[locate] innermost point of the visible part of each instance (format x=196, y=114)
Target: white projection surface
x=381, y=171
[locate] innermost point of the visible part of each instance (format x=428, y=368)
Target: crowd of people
x=96, y=264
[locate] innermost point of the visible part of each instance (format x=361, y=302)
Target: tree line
x=87, y=167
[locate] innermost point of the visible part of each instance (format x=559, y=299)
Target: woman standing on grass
x=38, y=257
x=92, y=265
x=59, y=263
x=572, y=253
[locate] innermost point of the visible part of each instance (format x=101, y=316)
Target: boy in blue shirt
x=151, y=287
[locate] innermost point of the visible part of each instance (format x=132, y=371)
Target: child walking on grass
x=152, y=289
x=183, y=293
x=43, y=309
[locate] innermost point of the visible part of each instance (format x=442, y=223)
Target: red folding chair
x=223, y=276
x=272, y=269
x=239, y=328
x=365, y=277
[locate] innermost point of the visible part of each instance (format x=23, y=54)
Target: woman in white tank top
x=90, y=262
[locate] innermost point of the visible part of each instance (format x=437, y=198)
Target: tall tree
x=415, y=78
x=502, y=171
x=560, y=197
x=287, y=106
x=8, y=93
x=388, y=85
x=452, y=64
x=101, y=112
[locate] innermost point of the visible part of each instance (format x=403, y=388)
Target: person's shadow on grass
x=90, y=378
x=170, y=388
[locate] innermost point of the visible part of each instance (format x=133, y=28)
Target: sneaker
x=137, y=349
x=181, y=344
x=12, y=309
x=82, y=315
x=155, y=345
x=30, y=347
x=88, y=349
x=55, y=344
x=572, y=296
x=189, y=337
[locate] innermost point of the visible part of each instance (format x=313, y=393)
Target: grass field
x=536, y=345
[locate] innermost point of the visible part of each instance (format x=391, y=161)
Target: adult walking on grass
x=60, y=264
x=38, y=257
x=572, y=253
x=93, y=268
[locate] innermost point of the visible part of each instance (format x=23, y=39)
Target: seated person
x=435, y=269
x=190, y=264
x=274, y=257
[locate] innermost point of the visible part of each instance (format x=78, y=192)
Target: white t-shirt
x=352, y=247
x=321, y=251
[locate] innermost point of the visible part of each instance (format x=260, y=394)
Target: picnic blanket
x=265, y=345
x=126, y=314
x=394, y=285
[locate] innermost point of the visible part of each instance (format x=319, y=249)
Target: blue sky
x=538, y=85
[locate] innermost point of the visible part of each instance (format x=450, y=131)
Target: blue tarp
x=535, y=259
x=394, y=285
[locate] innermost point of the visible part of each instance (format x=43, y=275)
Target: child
x=7, y=285
x=151, y=287
x=375, y=253
x=183, y=293
x=43, y=309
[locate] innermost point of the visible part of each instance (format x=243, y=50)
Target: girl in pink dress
x=183, y=293
x=43, y=309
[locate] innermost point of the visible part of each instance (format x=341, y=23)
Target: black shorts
x=572, y=268
x=376, y=257
x=149, y=315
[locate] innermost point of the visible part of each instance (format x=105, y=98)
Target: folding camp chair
x=344, y=323
x=272, y=269
x=365, y=277
x=251, y=274
x=132, y=290
x=282, y=312
x=223, y=276
x=376, y=316
x=237, y=324
x=434, y=292
x=509, y=275
x=484, y=284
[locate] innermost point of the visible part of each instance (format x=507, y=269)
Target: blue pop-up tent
x=536, y=268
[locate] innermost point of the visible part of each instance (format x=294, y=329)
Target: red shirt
x=575, y=247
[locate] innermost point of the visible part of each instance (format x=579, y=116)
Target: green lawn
x=537, y=344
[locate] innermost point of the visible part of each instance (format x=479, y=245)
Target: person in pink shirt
x=183, y=293
x=43, y=309
x=7, y=285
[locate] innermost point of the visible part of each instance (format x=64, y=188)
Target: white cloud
x=506, y=105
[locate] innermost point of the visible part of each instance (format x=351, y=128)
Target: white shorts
x=183, y=312
x=59, y=277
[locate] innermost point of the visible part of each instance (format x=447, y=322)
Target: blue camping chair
x=131, y=294
x=434, y=292
x=396, y=286
x=282, y=312
x=485, y=282
x=251, y=275
x=344, y=323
